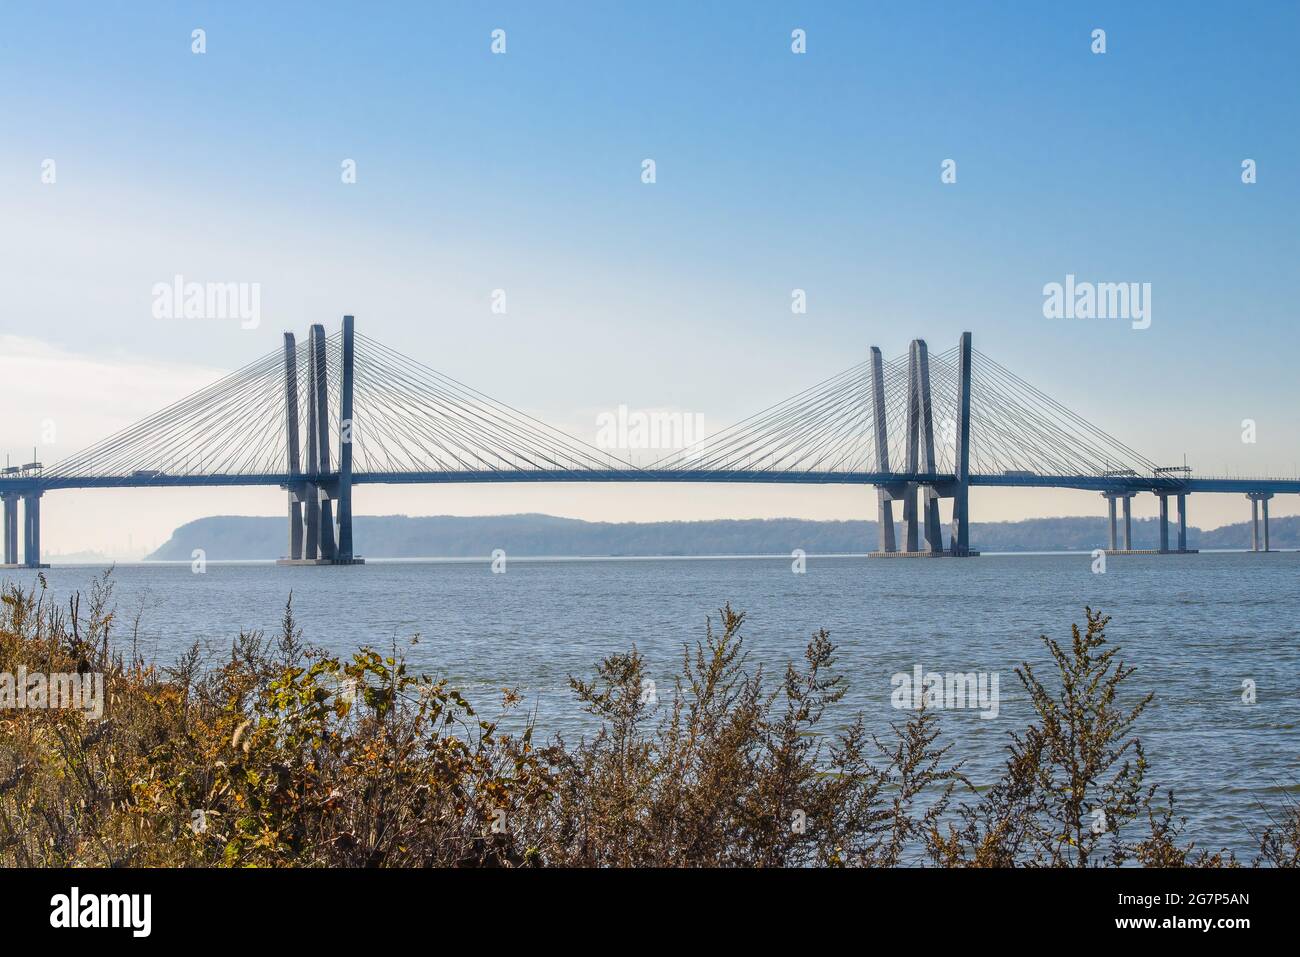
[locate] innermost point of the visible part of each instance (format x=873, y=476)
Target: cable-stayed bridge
x=319, y=417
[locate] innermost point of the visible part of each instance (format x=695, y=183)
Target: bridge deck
x=1167, y=484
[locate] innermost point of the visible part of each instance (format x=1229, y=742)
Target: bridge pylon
x=311, y=515
x=920, y=446
x=921, y=519
x=346, y=376
x=961, y=487
x=885, y=494
x=296, y=489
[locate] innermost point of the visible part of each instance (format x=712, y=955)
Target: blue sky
x=775, y=171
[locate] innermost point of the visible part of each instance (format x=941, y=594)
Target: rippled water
x=1195, y=627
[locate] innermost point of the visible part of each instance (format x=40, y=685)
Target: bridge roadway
x=1168, y=485
x=1117, y=489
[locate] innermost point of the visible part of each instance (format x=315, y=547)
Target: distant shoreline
x=536, y=536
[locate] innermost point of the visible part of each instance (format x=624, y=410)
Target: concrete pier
x=1180, y=502
x=31, y=525
x=10, y=528
x=1126, y=498
x=1164, y=522
x=32, y=530
x=1182, y=522
x=1258, y=499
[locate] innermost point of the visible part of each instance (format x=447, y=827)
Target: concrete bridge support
x=921, y=518
x=10, y=528
x=933, y=527
x=911, y=532
x=1258, y=499
x=884, y=496
x=1180, y=502
x=311, y=500
x=321, y=418
x=32, y=530
x=1182, y=522
x=1164, y=523
x=1110, y=508
x=961, y=494
x=345, y=443
x=311, y=491
x=920, y=445
x=294, y=464
x=1126, y=498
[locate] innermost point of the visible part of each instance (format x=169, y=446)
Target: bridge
x=318, y=418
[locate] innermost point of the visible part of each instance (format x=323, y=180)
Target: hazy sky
x=775, y=171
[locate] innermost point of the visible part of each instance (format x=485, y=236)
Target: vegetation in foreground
x=283, y=755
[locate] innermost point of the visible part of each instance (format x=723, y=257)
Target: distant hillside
x=232, y=537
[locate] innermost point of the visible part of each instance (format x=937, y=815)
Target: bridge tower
x=923, y=519
x=320, y=423
x=345, y=443
x=296, y=489
x=311, y=497
x=311, y=520
x=920, y=445
x=885, y=494
x=961, y=490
